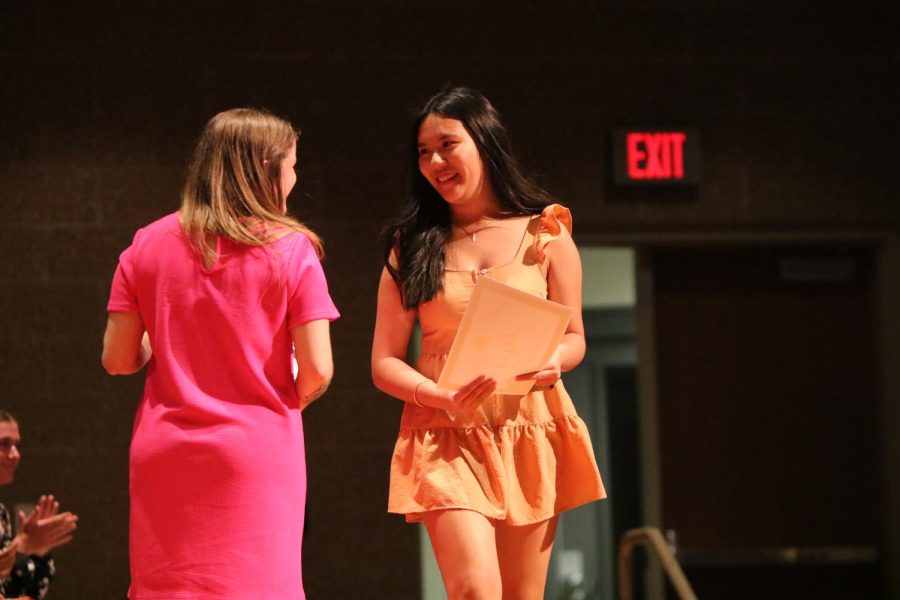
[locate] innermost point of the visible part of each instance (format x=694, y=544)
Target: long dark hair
x=423, y=227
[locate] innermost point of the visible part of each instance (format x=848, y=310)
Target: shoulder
x=157, y=229
x=393, y=257
x=297, y=243
x=555, y=223
x=163, y=224
x=296, y=251
x=555, y=219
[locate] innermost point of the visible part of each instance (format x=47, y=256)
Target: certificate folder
x=504, y=332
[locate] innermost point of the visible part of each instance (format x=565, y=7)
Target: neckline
x=531, y=220
x=486, y=223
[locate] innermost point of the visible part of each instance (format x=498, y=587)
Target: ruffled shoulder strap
x=553, y=219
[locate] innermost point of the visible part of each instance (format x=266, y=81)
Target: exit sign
x=656, y=156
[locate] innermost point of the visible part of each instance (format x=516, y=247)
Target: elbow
x=373, y=372
x=118, y=370
x=326, y=375
x=116, y=366
x=377, y=382
x=112, y=366
x=325, y=372
x=578, y=357
x=573, y=353
x=377, y=376
x=319, y=381
x=314, y=378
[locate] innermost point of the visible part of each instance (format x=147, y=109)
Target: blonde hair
x=233, y=186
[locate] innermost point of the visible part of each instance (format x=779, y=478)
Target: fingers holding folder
x=463, y=400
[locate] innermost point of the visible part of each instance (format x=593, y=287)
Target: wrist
x=417, y=392
x=429, y=395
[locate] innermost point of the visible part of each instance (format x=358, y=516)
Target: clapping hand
x=45, y=528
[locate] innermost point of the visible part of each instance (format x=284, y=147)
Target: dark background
x=100, y=104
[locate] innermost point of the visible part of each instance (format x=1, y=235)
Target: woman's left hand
x=548, y=375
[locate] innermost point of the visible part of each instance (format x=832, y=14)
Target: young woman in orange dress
x=487, y=474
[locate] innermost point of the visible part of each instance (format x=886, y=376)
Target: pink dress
x=217, y=464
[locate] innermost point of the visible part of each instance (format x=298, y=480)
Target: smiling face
x=450, y=161
x=9, y=450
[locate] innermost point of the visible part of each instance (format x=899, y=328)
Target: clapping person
x=26, y=567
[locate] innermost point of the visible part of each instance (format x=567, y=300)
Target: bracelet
x=416, y=392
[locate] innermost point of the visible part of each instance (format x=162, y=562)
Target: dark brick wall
x=100, y=104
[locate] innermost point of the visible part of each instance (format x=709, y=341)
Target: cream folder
x=504, y=332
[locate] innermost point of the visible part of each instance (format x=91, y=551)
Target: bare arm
x=393, y=326
x=312, y=347
x=564, y=286
x=126, y=347
x=393, y=375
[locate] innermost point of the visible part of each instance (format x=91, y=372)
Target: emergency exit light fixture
x=658, y=156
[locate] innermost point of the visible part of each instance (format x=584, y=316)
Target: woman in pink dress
x=214, y=299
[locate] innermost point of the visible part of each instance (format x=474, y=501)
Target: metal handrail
x=654, y=538
x=783, y=555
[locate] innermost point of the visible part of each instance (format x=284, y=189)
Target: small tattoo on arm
x=313, y=394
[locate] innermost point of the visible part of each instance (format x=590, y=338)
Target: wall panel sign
x=656, y=156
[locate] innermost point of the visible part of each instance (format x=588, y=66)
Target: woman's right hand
x=463, y=400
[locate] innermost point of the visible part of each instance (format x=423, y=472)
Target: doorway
x=604, y=390
x=733, y=401
x=768, y=418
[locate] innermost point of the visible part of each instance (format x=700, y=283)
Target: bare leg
x=464, y=546
x=524, y=556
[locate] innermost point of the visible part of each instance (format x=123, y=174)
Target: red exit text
x=655, y=155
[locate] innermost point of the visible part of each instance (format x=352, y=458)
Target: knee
x=473, y=584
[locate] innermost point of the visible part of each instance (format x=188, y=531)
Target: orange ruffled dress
x=519, y=459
